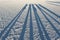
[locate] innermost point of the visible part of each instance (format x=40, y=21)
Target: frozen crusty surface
x=10, y=8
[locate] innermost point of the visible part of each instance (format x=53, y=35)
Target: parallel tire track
x=49, y=10
x=11, y=24
x=24, y=26
x=46, y=34
x=49, y=20
x=41, y=28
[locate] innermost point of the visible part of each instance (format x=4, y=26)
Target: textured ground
x=30, y=26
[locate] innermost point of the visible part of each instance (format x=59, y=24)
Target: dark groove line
x=54, y=2
x=24, y=27
x=46, y=34
x=31, y=25
x=11, y=24
x=49, y=11
x=40, y=31
x=49, y=21
x=51, y=17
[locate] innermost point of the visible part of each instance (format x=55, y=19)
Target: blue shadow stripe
x=46, y=34
x=24, y=27
x=39, y=27
x=31, y=25
x=11, y=24
x=49, y=21
x=49, y=10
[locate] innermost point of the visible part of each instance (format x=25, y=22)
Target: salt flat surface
x=10, y=8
